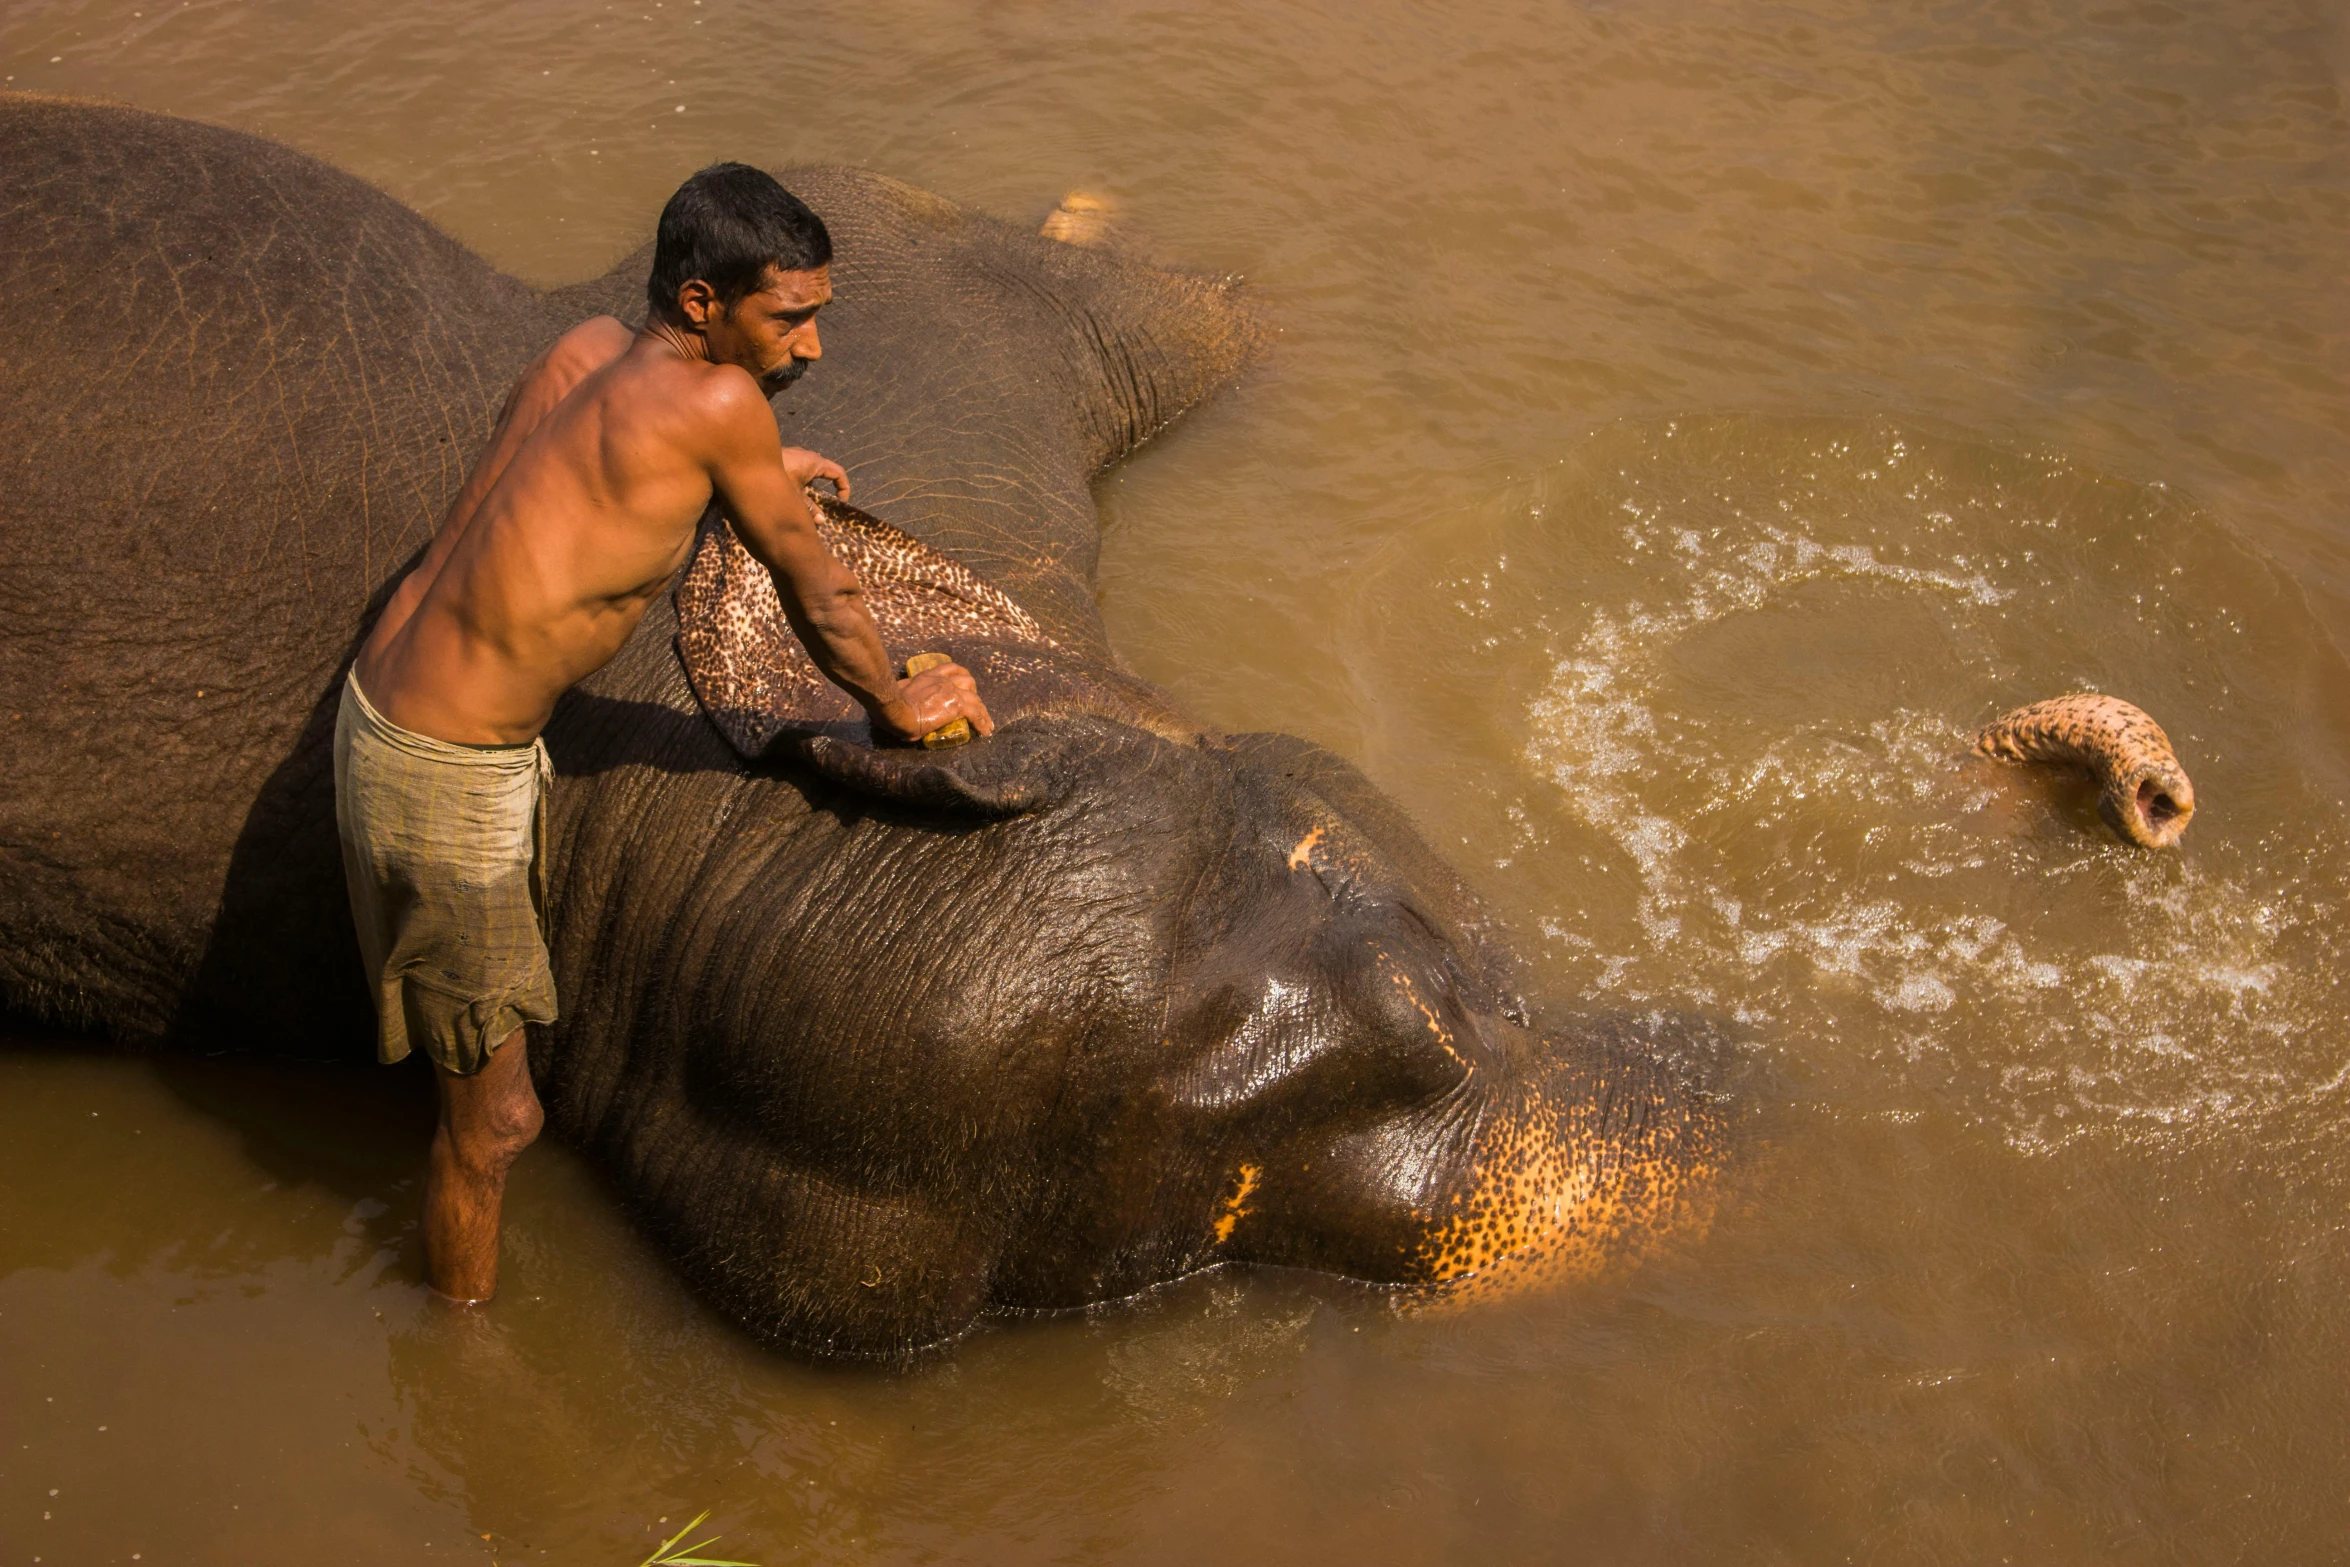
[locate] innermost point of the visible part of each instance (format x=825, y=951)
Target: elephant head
x=1065, y=1013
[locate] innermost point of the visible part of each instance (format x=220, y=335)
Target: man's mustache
x=776, y=380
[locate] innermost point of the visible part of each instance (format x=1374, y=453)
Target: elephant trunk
x=2144, y=794
x=1582, y=1169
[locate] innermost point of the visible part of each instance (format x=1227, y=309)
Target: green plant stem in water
x=668, y=1554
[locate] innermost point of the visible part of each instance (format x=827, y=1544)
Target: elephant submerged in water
x=874, y=1041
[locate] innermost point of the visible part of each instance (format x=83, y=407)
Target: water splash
x=1760, y=708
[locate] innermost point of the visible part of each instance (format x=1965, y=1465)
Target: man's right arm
x=821, y=598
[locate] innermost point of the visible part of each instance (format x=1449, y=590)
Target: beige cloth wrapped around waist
x=441, y=852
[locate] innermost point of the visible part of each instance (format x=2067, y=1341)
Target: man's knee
x=490, y=1116
x=513, y=1122
x=487, y=1142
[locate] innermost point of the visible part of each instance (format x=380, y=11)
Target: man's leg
x=486, y=1119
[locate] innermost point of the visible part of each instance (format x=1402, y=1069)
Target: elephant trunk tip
x=2143, y=792
x=2157, y=809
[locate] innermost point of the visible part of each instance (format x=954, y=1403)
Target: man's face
x=771, y=331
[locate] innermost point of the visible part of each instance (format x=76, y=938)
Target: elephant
x=876, y=1043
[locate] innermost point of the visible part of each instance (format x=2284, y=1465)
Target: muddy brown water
x=1687, y=421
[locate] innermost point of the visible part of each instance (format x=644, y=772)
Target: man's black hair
x=727, y=225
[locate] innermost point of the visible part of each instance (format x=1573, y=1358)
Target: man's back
x=595, y=479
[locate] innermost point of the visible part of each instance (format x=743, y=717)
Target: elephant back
x=242, y=388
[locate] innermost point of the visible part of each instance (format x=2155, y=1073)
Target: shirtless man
x=607, y=453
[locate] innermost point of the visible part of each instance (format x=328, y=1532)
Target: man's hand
x=932, y=700
x=805, y=467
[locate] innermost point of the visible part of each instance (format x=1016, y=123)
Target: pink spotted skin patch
x=757, y=683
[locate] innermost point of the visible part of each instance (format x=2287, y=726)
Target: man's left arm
x=753, y=473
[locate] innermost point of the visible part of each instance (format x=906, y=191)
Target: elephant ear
x=746, y=665
x=1025, y=765
x=764, y=693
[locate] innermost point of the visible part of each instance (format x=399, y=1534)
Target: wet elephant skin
x=1108, y=999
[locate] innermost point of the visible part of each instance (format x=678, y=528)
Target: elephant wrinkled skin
x=873, y=1044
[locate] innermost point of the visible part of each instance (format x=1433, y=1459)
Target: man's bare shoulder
x=569, y=360
x=720, y=401
x=583, y=350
